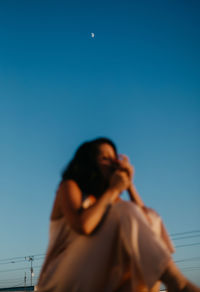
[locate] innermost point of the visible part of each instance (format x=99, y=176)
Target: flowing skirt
x=125, y=253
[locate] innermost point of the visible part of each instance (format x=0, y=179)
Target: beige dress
x=125, y=253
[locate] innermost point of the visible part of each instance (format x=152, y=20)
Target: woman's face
x=106, y=160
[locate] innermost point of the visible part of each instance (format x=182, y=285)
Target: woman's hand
x=119, y=181
x=124, y=165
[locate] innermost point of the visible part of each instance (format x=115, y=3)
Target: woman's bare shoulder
x=68, y=185
x=68, y=195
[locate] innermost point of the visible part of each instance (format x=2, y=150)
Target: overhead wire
x=19, y=260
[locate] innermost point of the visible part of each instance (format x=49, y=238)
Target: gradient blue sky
x=136, y=82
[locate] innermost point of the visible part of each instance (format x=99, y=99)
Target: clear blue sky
x=137, y=82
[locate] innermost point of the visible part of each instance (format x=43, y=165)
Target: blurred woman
x=98, y=242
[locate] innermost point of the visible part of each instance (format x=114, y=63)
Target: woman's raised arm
x=86, y=220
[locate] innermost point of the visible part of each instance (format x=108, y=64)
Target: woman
x=99, y=242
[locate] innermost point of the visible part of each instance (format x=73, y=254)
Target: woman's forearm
x=91, y=217
x=134, y=196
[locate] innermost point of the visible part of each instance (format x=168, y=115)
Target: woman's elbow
x=82, y=228
x=86, y=229
x=86, y=226
x=82, y=225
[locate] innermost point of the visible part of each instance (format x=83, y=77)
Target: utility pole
x=25, y=282
x=31, y=259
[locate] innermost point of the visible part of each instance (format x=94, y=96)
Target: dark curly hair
x=83, y=168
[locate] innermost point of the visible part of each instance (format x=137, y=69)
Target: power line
x=10, y=280
x=190, y=244
x=187, y=237
x=20, y=261
x=190, y=268
x=185, y=232
x=188, y=259
x=13, y=262
x=21, y=257
x=38, y=257
x=12, y=270
x=44, y=254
